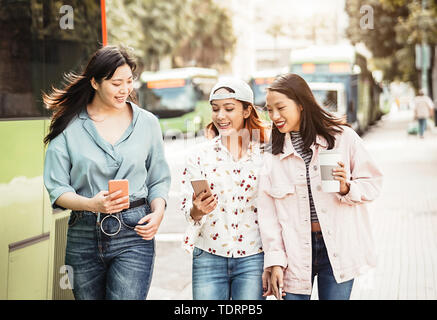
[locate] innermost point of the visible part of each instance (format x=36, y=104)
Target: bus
x=345, y=65
x=41, y=40
x=258, y=82
x=179, y=98
x=331, y=96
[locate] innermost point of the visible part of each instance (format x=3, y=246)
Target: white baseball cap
x=242, y=90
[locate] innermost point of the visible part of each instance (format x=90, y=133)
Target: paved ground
x=404, y=220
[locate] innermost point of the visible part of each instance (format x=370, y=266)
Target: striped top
x=306, y=155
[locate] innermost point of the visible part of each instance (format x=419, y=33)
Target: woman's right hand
x=277, y=281
x=104, y=202
x=202, y=205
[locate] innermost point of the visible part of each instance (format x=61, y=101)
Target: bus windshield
x=327, y=99
x=259, y=92
x=170, y=102
x=259, y=86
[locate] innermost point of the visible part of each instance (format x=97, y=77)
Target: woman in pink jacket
x=305, y=231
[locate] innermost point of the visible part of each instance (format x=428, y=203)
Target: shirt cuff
x=275, y=258
x=155, y=195
x=353, y=197
x=56, y=193
x=193, y=222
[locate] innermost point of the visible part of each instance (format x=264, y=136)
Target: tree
x=398, y=26
x=152, y=27
x=190, y=31
x=211, y=39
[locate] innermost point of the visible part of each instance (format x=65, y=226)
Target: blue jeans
x=114, y=268
x=328, y=288
x=422, y=126
x=222, y=278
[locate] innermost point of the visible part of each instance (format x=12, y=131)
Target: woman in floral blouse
x=223, y=232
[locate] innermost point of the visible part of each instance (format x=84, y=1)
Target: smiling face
x=283, y=111
x=115, y=91
x=228, y=115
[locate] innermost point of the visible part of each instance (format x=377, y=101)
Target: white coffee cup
x=328, y=160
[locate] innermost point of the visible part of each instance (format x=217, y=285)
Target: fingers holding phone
x=114, y=200
x=204, y=202
x=106, y=202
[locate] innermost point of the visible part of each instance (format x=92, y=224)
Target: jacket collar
x=289, y=150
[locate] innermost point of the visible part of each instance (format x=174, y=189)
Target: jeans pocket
x=198, y=252
x=74, y=219
x=130, y=218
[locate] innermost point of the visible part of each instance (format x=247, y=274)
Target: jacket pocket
x=281, y=191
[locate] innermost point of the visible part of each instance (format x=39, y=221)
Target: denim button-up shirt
x=79, y=160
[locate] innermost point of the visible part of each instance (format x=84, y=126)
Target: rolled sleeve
x=57, y=167
x=366, y=178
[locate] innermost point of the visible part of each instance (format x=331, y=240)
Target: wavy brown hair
x=253, y=122
x=314, y=119
x=77, y=92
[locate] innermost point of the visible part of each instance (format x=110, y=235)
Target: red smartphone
x=123, y=185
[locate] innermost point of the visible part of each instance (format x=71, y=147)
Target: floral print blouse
x=231, y=229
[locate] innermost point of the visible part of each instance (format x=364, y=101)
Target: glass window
x=40, y=40
x=169, y=102
x=327, y=99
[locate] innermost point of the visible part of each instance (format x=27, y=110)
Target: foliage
x=196, y=32
x=211, y=38
x=398, y=26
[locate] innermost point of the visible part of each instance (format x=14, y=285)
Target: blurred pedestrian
x=305, y=231
x=98, y=134
x=223, y=233
x=423, y=109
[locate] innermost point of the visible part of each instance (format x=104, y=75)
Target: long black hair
x=77, y=92
x=314, y=119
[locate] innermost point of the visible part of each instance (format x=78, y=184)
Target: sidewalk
x=404, y=220
x=405, y=216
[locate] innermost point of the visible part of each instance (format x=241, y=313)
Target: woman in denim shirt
x=97, y=135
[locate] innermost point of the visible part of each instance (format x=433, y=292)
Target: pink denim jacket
x=284, y=212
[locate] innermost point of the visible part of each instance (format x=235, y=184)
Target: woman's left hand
x=339, y=174
x=267, y=285
x=148, y=226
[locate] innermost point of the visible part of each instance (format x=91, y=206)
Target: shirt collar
x=254, y=147
x=135, y=112
x=103, y=144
